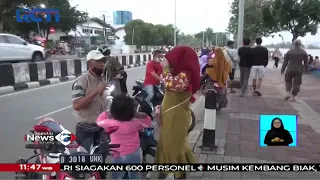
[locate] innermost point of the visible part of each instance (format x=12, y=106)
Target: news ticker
x=159, y=167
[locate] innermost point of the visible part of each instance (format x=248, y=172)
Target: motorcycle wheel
x=152, y=153
x=48, y=54
x=203, y=88
x=192, y=121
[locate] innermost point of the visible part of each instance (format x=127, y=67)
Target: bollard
x=210, y=115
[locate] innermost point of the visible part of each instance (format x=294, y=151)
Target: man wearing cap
x=88, y=99
x=294, y=68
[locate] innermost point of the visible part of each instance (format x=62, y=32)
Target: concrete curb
x=36, y=84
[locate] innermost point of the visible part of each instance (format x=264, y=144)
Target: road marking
x=53, y=112
x=51, y=85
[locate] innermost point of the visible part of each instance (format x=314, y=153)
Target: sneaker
x=241, y=94
x=232, y=91
x=257, y=93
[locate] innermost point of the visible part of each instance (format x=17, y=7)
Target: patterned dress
x=173, y=146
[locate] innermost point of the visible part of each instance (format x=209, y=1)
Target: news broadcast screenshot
x=167, y=89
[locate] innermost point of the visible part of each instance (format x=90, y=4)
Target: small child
x=123, y=115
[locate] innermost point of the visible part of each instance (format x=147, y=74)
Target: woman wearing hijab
x=181, y=79
x=277, y=135
x=218, y=70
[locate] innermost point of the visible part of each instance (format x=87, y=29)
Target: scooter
x=148, y=107
x=50, y=153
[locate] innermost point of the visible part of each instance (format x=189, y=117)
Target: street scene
x=231, y=87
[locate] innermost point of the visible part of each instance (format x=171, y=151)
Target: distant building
x=121, y=17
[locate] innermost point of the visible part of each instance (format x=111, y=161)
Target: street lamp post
x=175, y=24
x=39, y=31
x=240, y=23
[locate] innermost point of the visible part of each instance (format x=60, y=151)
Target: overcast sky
x=192, y=15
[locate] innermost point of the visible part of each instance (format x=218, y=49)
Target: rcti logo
x=44, y=137
x=65, y=137
x=37, y=15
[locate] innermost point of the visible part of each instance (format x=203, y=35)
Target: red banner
x=29, y=167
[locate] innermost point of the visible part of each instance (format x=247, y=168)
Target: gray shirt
x=293, y=60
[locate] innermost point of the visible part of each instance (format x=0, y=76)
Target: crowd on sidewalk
x=253, y=61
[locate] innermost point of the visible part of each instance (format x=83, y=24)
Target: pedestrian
x=123, y=116
x=181, y=79
x=153, y=74
x=88, y=100
x=260, y=61
x=113, y=70
x=218, y=70
x=295, y=62
x=246, y=61
x=277, y=55
x=231, y=55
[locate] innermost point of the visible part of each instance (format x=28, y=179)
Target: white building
x=91, y=29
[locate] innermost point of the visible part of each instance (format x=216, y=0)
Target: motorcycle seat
x=140, y=82
x=53, y=126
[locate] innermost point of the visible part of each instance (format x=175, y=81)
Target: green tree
x=299, y=17
x=253, y=18
x=141, y=33
x=189, y=40
x=134, y=32
x=213, y=38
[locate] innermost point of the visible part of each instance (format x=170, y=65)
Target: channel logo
x=65, y=137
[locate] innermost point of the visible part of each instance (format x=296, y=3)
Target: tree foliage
x=69, y=17
x=141, y=33
x=213, y=38
x=264, y=17
x=299, y=17
x=253, y=18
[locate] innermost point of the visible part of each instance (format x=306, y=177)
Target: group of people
x=253, y=61
x=177, y=70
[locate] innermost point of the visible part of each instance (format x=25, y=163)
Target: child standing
x=123, y=115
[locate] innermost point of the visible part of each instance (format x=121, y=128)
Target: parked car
x=14, y=48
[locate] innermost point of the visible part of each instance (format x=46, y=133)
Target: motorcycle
x=148, y=107
x=207, y=83
x=203, y=85
x=49, y=153
x=47, y=53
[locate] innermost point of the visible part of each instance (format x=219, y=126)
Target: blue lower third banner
x=191, y=167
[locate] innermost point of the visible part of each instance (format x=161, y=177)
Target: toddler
x=123, y=115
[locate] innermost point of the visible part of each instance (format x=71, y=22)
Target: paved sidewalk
x=237, y=131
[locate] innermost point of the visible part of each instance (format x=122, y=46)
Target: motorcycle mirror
x=111, y=88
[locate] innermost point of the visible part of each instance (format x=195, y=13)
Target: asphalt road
x=21, y=110
x=61, y=57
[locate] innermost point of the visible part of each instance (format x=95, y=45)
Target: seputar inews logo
x=44, y=137
x=65, y=137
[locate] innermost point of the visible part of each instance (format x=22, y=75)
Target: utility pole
x=216, y=37
x=132, y=38
x=203, y=39
x=104, y=29
x=240, y=23
x=175, y=24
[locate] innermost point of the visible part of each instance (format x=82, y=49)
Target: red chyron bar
x=190, y=167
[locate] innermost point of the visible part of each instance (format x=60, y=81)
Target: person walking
x=277, y=55
x=246, y=61
x=231, y=55
x=295, y=62
x=181, y=79
x=260, y=61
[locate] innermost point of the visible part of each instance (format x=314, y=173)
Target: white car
x=14, y=48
